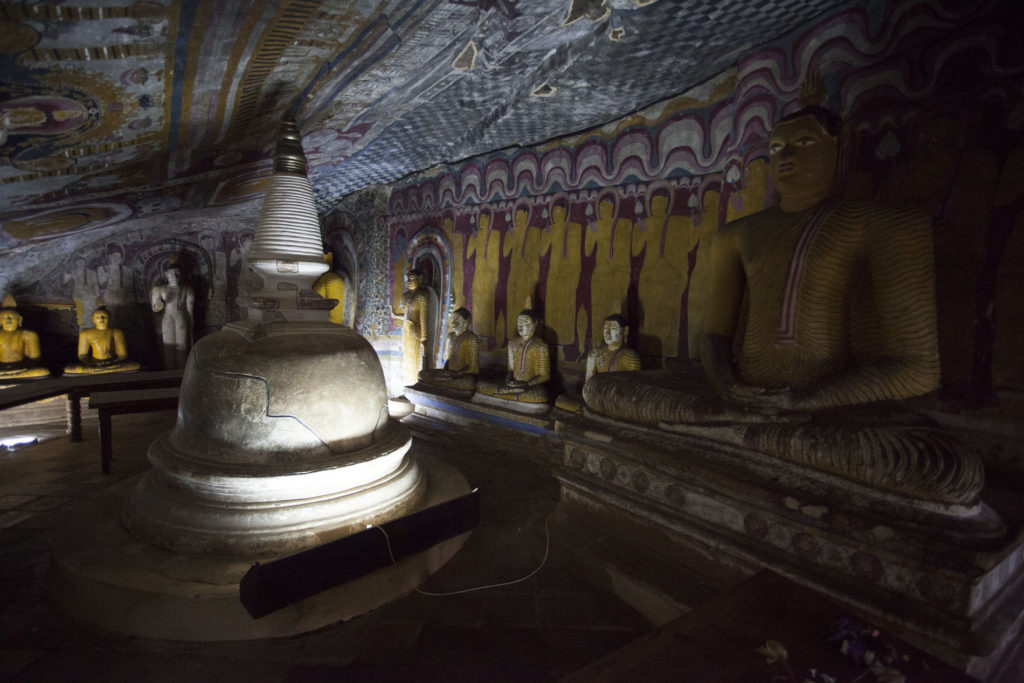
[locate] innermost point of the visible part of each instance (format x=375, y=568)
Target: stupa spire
x=287, y=248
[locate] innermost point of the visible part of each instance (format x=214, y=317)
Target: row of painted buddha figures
x=101, y=348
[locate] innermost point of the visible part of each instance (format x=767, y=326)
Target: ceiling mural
x=122, y=103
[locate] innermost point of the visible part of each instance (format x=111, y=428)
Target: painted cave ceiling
x=126, y=108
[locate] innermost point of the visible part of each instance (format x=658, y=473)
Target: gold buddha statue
x=331, y=285
x=20, y=352
x=101, y=348
x=614, y=356
x=414, y=312
x=529, y=367
x=816, y=306
x=462, y=357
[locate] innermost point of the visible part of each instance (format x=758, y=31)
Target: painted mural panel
x=933, y=100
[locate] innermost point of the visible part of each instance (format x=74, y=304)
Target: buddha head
x=10, y=319
x=460, y=320
x=101, y=318
x=526, y=323
x=413, y=279
x=173, y=274
x=484, y=221
x=558, y=213
x=115, y=254
x=803, y=155
x=615, y=331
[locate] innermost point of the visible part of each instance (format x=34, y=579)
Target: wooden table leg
x=74, y=417
x=106, y=441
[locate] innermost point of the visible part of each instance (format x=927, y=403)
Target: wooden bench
x=77, y=387
x=110, y=403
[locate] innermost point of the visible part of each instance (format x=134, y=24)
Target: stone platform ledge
x=954, y=587
x=467, y=413
x=106, y=578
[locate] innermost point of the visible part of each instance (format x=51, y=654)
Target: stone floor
x=539, y=629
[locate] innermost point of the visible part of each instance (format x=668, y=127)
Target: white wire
x=547, y=548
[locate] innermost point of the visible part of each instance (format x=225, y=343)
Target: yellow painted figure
x=414, y=312
x=20, y=352
x=485, y=245
x=522, y=244
x=610, y=238
x=529, y=366
x=101, y=348
x=330, y=285
x=563, y=241
x=462, y=357
x=665, y=241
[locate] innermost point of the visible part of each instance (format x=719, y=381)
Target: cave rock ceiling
x=134, y=108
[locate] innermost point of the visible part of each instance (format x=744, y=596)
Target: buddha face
x=526, y=326
x=459, y=324
x=100, y=320
x=173, y=276
x=614, y=334
x=558, y=214
x=802, y=156
x=9, y=320
x=413, y=281
x=604, y=209
x=485, y=220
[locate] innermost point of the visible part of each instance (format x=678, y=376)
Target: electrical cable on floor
x=547, y=548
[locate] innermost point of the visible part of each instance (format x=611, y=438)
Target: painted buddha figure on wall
x=20, y=354
x=529, y=370
x=462, y=357
x=101, y=348
x=815, y=305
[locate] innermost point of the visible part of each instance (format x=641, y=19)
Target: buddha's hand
x=760, y=397
x=158, y=305
x=513, y=386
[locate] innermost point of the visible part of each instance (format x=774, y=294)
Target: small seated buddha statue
x=818, y=310
x=462, y=357
x=614, y=356
x=20, y=354
x=529, y=370
x=101, y=348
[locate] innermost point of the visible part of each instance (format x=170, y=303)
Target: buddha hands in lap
x=529, y=366
x=20, y=353
x=101, y=348
x=462, y=357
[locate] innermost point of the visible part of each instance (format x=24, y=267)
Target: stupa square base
x=103, y=576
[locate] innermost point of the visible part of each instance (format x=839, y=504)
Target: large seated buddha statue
x=101, y=348
x=820, y=322
x=462, y=358
x=614, y=356
x=20, y=353
x=529, y=370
